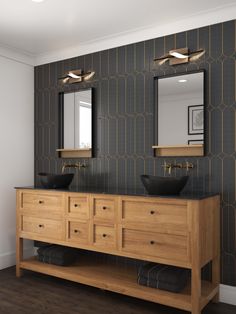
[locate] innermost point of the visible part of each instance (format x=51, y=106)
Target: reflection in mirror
x=77, y=113
x=180, y=110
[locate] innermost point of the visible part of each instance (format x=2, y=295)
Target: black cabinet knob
x=40, y=202
x=41, y=226
x=152, y=212
x=76, y=231
x=104, y=207
x=152, y=242
x=104, y=235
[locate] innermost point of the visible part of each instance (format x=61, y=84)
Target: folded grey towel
x=162, y=284
x=57, y=255
x=163, y=273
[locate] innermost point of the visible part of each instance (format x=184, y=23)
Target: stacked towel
x=163, y=277
x=57, y=255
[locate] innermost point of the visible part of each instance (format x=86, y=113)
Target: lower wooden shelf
x=119, y=279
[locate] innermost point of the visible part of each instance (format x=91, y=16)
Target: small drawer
x=43, y=204
x=153, y=212
x=79, y=207
x=78, y=232
x=104, y=236
x=166, y=246
x=104, y=208
x=47, y=228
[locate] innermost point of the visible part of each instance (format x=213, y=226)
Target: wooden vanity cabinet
x=172, y=231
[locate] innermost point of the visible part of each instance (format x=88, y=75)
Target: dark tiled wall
x=123, y=103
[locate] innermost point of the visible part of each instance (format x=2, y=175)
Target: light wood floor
x=39, y=294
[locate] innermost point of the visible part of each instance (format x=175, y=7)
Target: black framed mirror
x=180, y=113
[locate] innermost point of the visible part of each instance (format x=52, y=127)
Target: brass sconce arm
x=77, y=165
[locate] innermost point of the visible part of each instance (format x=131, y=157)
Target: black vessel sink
x=164, y=185
x=55, y=181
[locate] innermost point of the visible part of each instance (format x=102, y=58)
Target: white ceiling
x=58, y=29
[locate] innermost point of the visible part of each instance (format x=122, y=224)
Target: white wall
x=16, y=146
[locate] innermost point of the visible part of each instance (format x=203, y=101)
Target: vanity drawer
x=171, y=247
x=78, y=232
x=43, y=204
x=79, y=207
x=153, y=212
x=47, y=228
x=104, y=236
x=104, y=208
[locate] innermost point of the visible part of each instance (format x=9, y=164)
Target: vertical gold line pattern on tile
x=135, y=57
x=125, y=113
x=108, y=118
x=222, y=131
x=135, y=117
x=235, y=131
x=235, y=78
x=235, y=184
x=144, y=118
x=210, y=173
x=116, y=120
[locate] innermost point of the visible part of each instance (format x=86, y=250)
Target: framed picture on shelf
x=195, y=119
x=195, y=142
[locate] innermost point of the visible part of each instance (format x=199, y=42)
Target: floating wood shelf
x=75, y=153
x=179, y=150
x=119, y=279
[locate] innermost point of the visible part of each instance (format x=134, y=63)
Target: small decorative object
x=195, y=119
x=195, y=142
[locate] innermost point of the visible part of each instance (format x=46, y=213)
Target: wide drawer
x=153, y=212
x=104, y=236
x=78, y=207
x=166, y=246
x=47, y=228
x=104, y=208
x=44, y=204
x=78, y=232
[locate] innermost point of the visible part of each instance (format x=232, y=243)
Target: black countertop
x=128, y=192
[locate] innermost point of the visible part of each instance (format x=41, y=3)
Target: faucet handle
x=189, y=166
x=167, y=166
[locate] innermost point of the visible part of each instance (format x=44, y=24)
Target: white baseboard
x=228, y=294
x=9, y=259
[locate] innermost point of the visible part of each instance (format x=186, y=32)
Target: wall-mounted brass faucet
x=168, y=166
x=77, y=165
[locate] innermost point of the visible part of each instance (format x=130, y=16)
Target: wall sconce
x=179, y=56
x=76, y=76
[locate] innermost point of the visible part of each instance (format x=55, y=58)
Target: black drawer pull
x=76, y=231
x=152, y=212
x=77, y=205
x=41, y=226
x=104, y=235
x=152, y=242
x=41, y=202
x=104, y=207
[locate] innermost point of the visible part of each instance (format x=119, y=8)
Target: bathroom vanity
x=181, y=231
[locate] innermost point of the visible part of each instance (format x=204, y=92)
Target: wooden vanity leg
x=19, y=256
x=196, y=291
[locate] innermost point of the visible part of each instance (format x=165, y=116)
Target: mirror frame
x=61, y=118
x=155, y=122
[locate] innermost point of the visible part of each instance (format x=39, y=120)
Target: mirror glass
x=180, y=109
x=76, y=120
